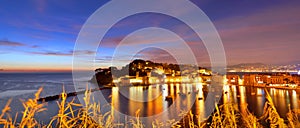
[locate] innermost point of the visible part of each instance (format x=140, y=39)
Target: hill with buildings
x=141, y=72
x=260, y=67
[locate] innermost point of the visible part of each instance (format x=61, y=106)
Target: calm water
x=23, y=86
x=246, y=97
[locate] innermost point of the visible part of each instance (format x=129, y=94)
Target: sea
x=21, y=86
x=25, y=84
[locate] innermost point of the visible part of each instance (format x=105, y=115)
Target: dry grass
x=226, y=115
x=250, y=121
x=293, y=118
x=31, y=108
x=271, y=116
x=90, y=116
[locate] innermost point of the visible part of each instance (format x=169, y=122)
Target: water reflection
x=294, y=99
x=199, y=105
x=243, y=99
x=152, y=100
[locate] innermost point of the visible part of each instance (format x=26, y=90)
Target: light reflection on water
x=246, y=97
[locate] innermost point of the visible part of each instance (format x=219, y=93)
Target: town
x=141, y=72
x=272, y=80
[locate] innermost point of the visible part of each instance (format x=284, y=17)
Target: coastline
x=71, y=94
x=264, y=86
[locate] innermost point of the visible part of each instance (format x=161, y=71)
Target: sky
x=39, y=35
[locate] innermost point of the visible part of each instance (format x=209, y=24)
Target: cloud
x=10, y=43
x=35, y=46
x=53, y=53
x=156, y=55
x=67, y=53
x=262, y=36
x=83, y=52
x=53, y=24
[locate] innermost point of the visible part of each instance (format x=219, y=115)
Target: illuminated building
x=232, y=79
x=275, y=80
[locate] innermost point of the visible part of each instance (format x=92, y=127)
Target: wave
x=13, y=93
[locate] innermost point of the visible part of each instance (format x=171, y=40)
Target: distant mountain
x=264, y=67
x=245, y=65
x=293, y=62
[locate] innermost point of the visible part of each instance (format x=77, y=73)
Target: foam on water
x=13, y=93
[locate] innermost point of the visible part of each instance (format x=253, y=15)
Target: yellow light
x=135, y=81
x=171, y=80
x=241, y=82
x=225, y=80
x=116, y=81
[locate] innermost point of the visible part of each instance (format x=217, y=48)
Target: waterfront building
x=232, y=79
x=274, y=79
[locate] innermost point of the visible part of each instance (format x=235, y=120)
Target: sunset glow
x=44, y=37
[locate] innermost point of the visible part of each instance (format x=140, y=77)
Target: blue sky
x=40, y=34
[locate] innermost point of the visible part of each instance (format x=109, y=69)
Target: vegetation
x=90, y=116
x=142, y=68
